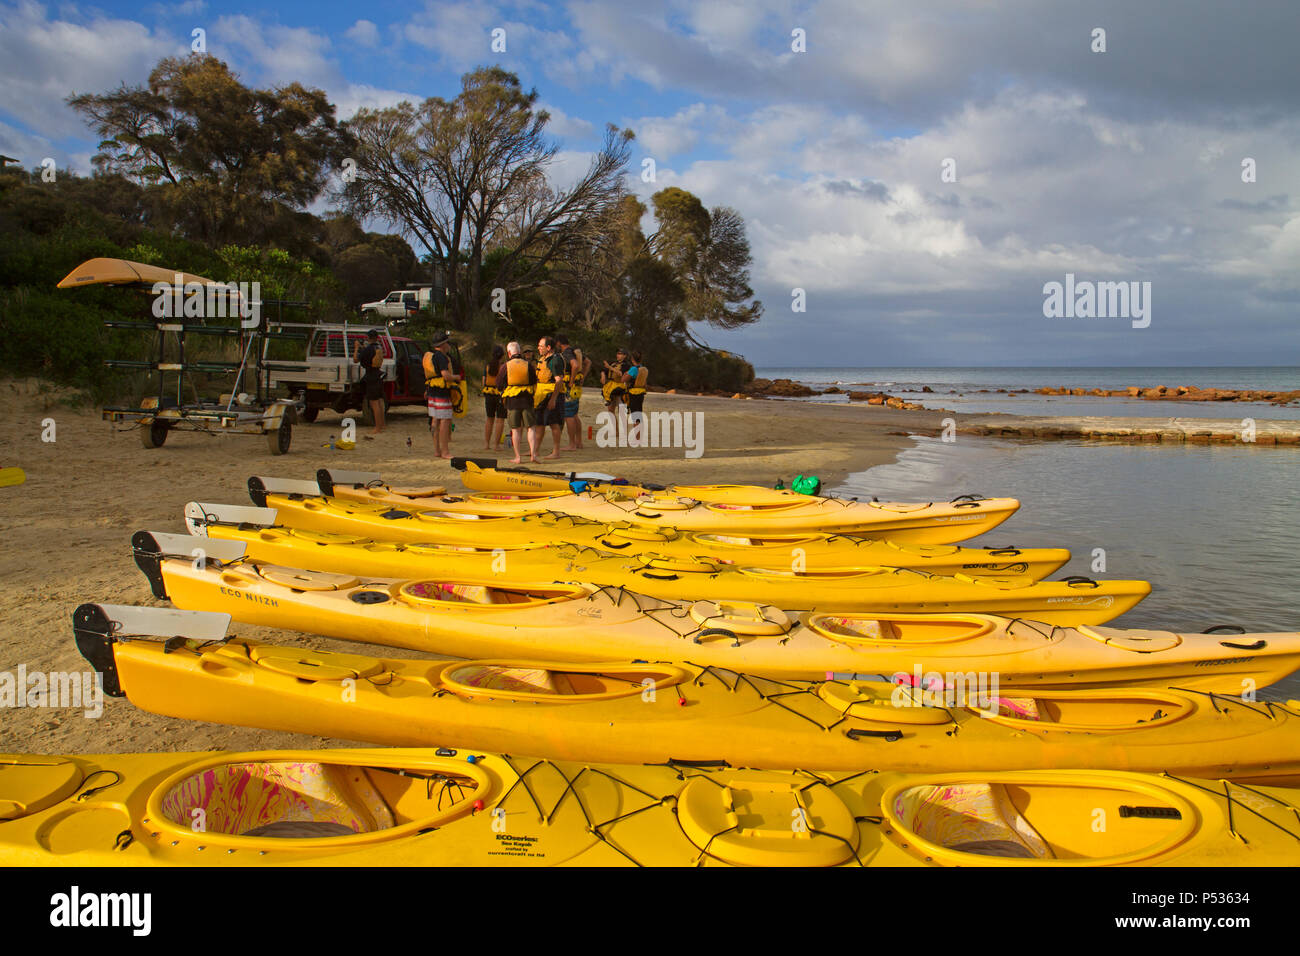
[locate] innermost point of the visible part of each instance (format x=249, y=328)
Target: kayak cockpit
x=755, y=541
x=1019, y=819
x=906, y=629
x=479, y=595
x=1086, y=711
x=302, y=799
x=575, y=683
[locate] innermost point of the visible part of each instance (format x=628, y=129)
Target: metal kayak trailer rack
x=253, y=413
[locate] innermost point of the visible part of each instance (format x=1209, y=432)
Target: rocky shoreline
x=787, y=388
x=1173, y=432
x=1065, y=428
x=1178, y=393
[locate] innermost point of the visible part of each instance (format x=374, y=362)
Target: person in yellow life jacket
x=613, y=390
x=370, y=357
x=635, y=379
x=550, y=395
x=440, y=377
x=495, y=422
x=577, y=367
x=517, y=379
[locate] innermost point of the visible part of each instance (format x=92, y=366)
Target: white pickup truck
x=399, y=304
x=328, y=378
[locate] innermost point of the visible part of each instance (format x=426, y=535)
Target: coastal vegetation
x=197, y=171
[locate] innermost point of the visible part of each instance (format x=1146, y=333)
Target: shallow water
x=1215, y=529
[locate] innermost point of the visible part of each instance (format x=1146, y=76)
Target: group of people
x=531, y=393
x=527, y=392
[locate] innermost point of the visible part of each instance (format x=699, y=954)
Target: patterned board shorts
x=439, y=408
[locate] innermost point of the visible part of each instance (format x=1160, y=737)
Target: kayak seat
x=452, y=593
x=469, y=593
x=429, y=491
x=977, y=818
x=239, y=798
x=519, y=680
x=865, y=628
x=1020, y=708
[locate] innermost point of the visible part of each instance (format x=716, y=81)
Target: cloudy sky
x=919, y=170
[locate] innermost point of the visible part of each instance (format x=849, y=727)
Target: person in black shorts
x=492, y=403
x=370, y=357
x=517, y=380
x=550, y=395
x=635, y=380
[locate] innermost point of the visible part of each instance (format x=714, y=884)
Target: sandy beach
x=66, y=531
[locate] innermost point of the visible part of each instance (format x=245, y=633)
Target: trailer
x=253, y=411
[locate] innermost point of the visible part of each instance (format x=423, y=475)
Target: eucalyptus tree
x=230, y=162
x=473, y=175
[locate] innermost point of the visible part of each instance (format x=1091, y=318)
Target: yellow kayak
x=913, y=522
x=656, y=713
x=1072, y=601
x=358, y=520
x=482, y=474
x=360, y=807
x=483, y=617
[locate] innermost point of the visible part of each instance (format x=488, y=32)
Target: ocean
x=1215, y=529
x=974, y=390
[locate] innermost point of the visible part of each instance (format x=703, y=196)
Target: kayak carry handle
x=1259, y=645
x=968, y=501
x=1076, y=580
x=1151, y=813
x=717, y=632
x=1224, y=629
x=1005, y=552
x=889, y=735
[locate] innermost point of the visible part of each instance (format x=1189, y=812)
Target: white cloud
x=665, y=137
x=1045, y=186
x=565, y=126
x=355, y=96
x=43, y=60
x=363, y=33
x=275, y=53
x=28, y=148
x=461, y=34
x=188, y=8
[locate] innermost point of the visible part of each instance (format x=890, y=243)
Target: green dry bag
x=806, y=484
